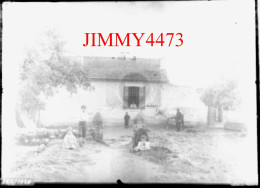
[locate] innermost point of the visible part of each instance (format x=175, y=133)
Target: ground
x=198, y=155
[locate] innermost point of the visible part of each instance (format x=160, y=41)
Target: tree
x=222, y=95
x=43, y=71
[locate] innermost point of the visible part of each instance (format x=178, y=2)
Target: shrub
x=39, y=136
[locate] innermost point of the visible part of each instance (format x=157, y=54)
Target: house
x=120, y=85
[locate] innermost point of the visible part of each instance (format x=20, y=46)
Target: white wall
x=187, y=99
x=107, y=98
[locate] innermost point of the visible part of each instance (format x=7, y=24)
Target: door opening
x=133, y=97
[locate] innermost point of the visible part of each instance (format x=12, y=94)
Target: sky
x=218, y=37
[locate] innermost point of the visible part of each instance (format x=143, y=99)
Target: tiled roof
x=130, y=69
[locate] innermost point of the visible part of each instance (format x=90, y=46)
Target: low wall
x=235, y=126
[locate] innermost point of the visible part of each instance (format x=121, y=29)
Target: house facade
x=120, y=85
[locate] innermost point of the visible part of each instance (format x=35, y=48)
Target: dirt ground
x=191, y=156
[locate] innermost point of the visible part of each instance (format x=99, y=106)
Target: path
x=196, y=157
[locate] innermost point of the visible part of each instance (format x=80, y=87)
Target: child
x=83, y=125
x=127, y=118
x=70, y=141
x=143, y=144
x=138, y=131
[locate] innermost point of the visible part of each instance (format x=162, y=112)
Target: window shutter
x=125, y=98
x=142, y=98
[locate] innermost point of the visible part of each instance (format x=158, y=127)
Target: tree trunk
x=211, y=116
x=38, y=118
x=18, y=118
x=220, y=114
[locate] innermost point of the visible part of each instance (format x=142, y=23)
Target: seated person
x=138, y=125
x=97, y=127
x=143, y=144
x=70, y=141
x=138, y=129
x=133, y=106
x=137, y=136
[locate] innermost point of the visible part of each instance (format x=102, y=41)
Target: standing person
x=83, y=125
x=127, y=118
x=179, y=119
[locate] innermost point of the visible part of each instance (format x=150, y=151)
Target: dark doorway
x=133, y=97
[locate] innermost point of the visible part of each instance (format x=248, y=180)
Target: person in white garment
x=143, y=144
x=70, y=141
x=83, y=119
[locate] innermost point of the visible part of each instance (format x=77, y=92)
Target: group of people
x=179, y=119
x=95, y=131
x=140, y=140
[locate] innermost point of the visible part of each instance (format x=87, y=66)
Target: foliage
x=221, y=94
x=45, y=69
x=39, y=136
